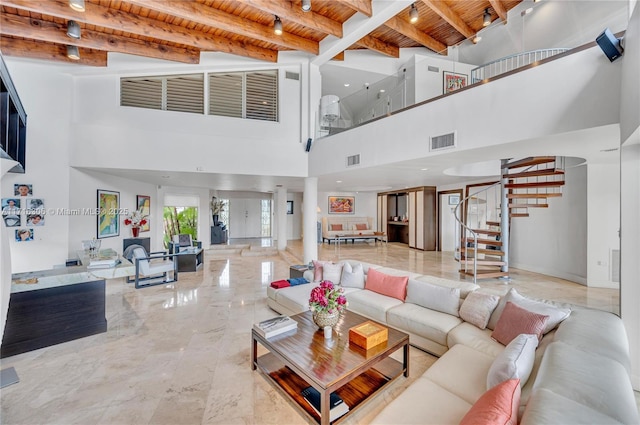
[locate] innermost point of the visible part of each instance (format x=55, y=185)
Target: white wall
x=294, y=221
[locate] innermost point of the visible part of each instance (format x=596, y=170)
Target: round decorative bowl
x=323, y=319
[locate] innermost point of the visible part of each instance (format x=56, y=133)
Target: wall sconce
x=306, y=5
x=73, y=30
x=77, y=5
x=73, y=53
x=277, y=26
x=413, y=14
x=486, y=18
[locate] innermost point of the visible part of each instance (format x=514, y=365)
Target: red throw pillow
x=497, y=406
x=336, y=227
x=391, y=286
x=515, y=321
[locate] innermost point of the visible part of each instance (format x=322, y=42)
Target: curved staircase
x=483, y=246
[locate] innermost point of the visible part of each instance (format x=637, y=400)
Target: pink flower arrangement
x=327, y=298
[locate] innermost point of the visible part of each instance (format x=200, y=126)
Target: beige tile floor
x=179, y=353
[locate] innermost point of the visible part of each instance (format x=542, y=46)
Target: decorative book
x=337, y=407
x=272, y=327
x=368, y=334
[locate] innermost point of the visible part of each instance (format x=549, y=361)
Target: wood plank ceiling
x=179, y=30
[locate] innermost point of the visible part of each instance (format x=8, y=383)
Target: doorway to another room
x=249, y=218
x=180, y=216
x=447, y=201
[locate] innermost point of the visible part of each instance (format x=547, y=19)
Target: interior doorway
x=247, y=218
x=447, y=202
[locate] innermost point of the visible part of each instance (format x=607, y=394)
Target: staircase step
x=485, y=241
x=486, y=274
x=520, y=215
x=534, y=173
x=487, y=232
x=485, y=251
x=482, y=262
x=528, y=205
x=533, y=195
x=530, y=185
x=532, y=160
x=493, y=223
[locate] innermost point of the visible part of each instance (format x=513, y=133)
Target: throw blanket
x=280, y=284
x=298, y=281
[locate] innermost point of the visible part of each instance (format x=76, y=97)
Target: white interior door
x=245, y=218
x=447, y=224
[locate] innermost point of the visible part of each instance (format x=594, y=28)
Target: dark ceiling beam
x=48, y=31
x=289, y=11
x=50, y=52
x=451, y=17
x=408, y=30
x=205, y=15
x=128, y=22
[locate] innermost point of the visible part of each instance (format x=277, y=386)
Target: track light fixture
x=77, y=5
x=73, y=30
x=306, y=5
x=476, y=39
x=413, y=14
x=486, y=18
x=73, y=53
x=277, y=26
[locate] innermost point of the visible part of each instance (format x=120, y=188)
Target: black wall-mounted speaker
x=610, y=45
x=308, y=147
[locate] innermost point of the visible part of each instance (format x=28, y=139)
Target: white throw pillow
x=515, y=361
x=556, y=314
x=332, y=272
x=352, y=276
x=477, y=308
x=434, y=297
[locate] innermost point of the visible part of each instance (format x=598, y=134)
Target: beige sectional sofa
x=580, y=369
x=346, y=225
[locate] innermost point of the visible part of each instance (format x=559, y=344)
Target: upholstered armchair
x=153, y=268
x=181, y=242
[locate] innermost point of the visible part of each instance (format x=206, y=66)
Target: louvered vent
x=225, y=95
x=185, y=93
x=143, y=92
x=292, y=75
x=615, y=265
x=262, y=95
x=433, y=68
x=353, y=160
x=445, y=141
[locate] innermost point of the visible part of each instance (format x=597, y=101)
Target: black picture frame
x=289, y=207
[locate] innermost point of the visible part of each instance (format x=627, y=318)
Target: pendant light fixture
x=277, y=26
x=73, y=53
x=77, y=5
x=73, y=30
x=306, y=5
x=413, y=14
x=486, y=18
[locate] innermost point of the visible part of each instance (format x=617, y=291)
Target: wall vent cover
x=292, y=75
x=353, y=160
x=433, y=68
x=444, y=141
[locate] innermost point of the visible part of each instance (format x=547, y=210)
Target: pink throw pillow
x=391, y=286
x=515, y=321
x=361, y=227
x=336, y=227
x=497, y=406
x=317, y=270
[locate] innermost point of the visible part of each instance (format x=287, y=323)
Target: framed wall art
x=108, y=213
x=342, y=204
x=143, y=204
x=289, y=207
x=11, y=212
x=22, y=189
x=454, y=199
x=453, y=81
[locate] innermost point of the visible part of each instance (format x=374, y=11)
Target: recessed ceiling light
x=165, y=177
x=382, y=90
x=423, y=169
x=347, y=84
x=338, y=181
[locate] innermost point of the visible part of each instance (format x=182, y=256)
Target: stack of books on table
x=276, y=326
x=336, y=405
x=103, y=263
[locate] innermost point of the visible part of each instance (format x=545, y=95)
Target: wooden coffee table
x=302, y=358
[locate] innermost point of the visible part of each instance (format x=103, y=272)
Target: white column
x=310, y=219
x=281, y=214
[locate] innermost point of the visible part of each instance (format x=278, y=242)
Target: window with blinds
x=180, y=93
x=250, y=95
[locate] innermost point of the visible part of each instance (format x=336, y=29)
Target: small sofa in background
x=341, y=225
x=574, y=369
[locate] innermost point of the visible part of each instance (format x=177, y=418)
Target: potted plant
x=217, y=206
x=327, y=303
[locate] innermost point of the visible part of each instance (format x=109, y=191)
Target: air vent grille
x=433, y=68
x=292, y=75
x=445, y=141
x=353, y=160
